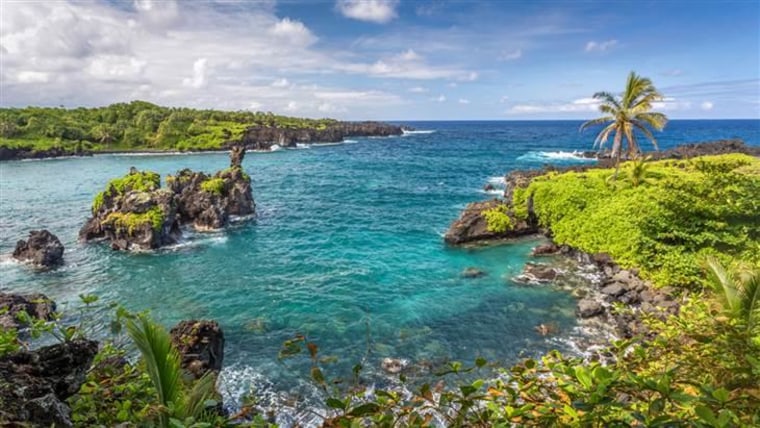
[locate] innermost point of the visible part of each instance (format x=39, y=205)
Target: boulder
x=35, y=305
x=539, y=273
x=42, y=248
x=201, y=346
x=393, y=365
x=615, y=289
x=588, y=308
x=547, y=249
x=34, y=385
x=472, y=272
x=472, y=226
x=488, y=187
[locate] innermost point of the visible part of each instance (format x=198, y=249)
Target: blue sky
x=383, y=59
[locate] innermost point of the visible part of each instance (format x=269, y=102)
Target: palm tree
x=739, y=293
x=627, y=114
x=162, y=361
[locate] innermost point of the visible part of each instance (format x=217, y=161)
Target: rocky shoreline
x=259, y=138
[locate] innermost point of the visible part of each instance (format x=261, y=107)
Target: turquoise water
x=346, y=248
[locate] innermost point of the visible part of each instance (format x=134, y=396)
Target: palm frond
x=608, y=99
x=603, y=136
x=202, y=390
x=656, y=120
x=723, y=284
x=161, y=359
x=598, y=121
x=750, y=297
x=647, y=133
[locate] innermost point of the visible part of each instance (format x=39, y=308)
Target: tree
x=626, y=115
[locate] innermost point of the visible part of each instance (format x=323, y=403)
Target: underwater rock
x=472, y=272
x=548, y=249
x=42, y=248
x=393, y=365
x=35, y=305
x=201, y=345
x=34, y=385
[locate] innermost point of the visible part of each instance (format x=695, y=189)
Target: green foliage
x=498, y=219
x=213, y=185
x=687, y=210
x=180, y=403
x=140, y=181
x=132, y=221
x=738, y=290
x=135, y=125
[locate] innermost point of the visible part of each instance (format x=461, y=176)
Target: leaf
x=480, y=362
x=364, y=409
x=335, y=403
x=581, y=373
x=706, y=415
x=317, y=375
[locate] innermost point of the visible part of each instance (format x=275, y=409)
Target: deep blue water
x=347, y=248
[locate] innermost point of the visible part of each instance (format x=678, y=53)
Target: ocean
x=346, y=249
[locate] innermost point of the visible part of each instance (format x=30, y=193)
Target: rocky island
x=136, y=213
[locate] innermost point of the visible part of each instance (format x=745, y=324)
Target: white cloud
x=378, y=11
x=293, y=31
x=281, y=83
x=706, y=105
x=594, y=46
x=503, y=99
x=116, y=67
x=410, y=55
x=32, y=77
x=199, y=74
x=511, y=55
x=292, y=106
x=464, y=101
x=588, y=105
x=440, y=99
x=672, y=72
x=418, y=90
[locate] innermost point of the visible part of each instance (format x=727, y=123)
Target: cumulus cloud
x=418, y=90
x=706, y=105
x=281, y=83
x=589, y=105
x=377, y=11
x=464, y=101
x=440, y=99
x=199, y=74
x=594, y=46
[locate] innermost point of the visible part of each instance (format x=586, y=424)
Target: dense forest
x=135, y=125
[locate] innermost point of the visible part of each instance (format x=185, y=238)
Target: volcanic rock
x=201, y=345
x=36, y=306
x=42, y=248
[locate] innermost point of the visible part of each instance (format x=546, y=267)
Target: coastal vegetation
x=627, y=115
x=137, y=125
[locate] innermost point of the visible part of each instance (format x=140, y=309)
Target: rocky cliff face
x=201, y=345
x=263, y=138
x=134, y=213
x=472, y=225
x=35, y=305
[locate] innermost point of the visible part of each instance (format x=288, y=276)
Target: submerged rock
x=548, y=249
x=472, y=272
x=533, y=272
x=201, y=345
x=35, y=305
x=34, y=385
x=42, y=248
x=393, y=365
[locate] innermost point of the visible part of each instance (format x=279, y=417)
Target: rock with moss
x=134, y=213
x=37, y=306
x=486, y=221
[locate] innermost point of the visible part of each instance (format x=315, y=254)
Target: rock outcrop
x=13, y=153
x=472, y=225
x=35, y=305
x=34, y=385
x=135, y=213
x=201, y=345
x=42, y=248
x=263, y=138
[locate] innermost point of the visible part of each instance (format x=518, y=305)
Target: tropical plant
x=181, y=404
x=627, y=114
x=637, y=175
x=738, y=289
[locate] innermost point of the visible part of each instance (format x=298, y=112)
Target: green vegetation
x=213, y=185
x=132, y=221
x=664, y=225
x=140, y=181
x=627, y=114
x=137, y=125
x=498, y=219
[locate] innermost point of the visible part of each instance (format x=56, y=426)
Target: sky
x=383, y=59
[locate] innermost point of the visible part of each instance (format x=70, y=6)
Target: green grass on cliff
x=141, y=181
x=132, y=221
x=682, y=211
x=137, y=125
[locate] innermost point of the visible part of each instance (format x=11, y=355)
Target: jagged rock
x=201, y=345
x=588, y=308
x=488, y=187
x=133, y=213
x=237, y=153
x=539, y=273
x=472, y=272
x=519, y=179
x=36, y=305
x=34, y=385
x=472, y=226
x=548, y=249
x=615, y=289
x=42, y=248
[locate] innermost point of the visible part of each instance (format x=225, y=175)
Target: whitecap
x=303, y=146
x=275, y=147
x=554, y=156
x=421, y=131
x=499, y=181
